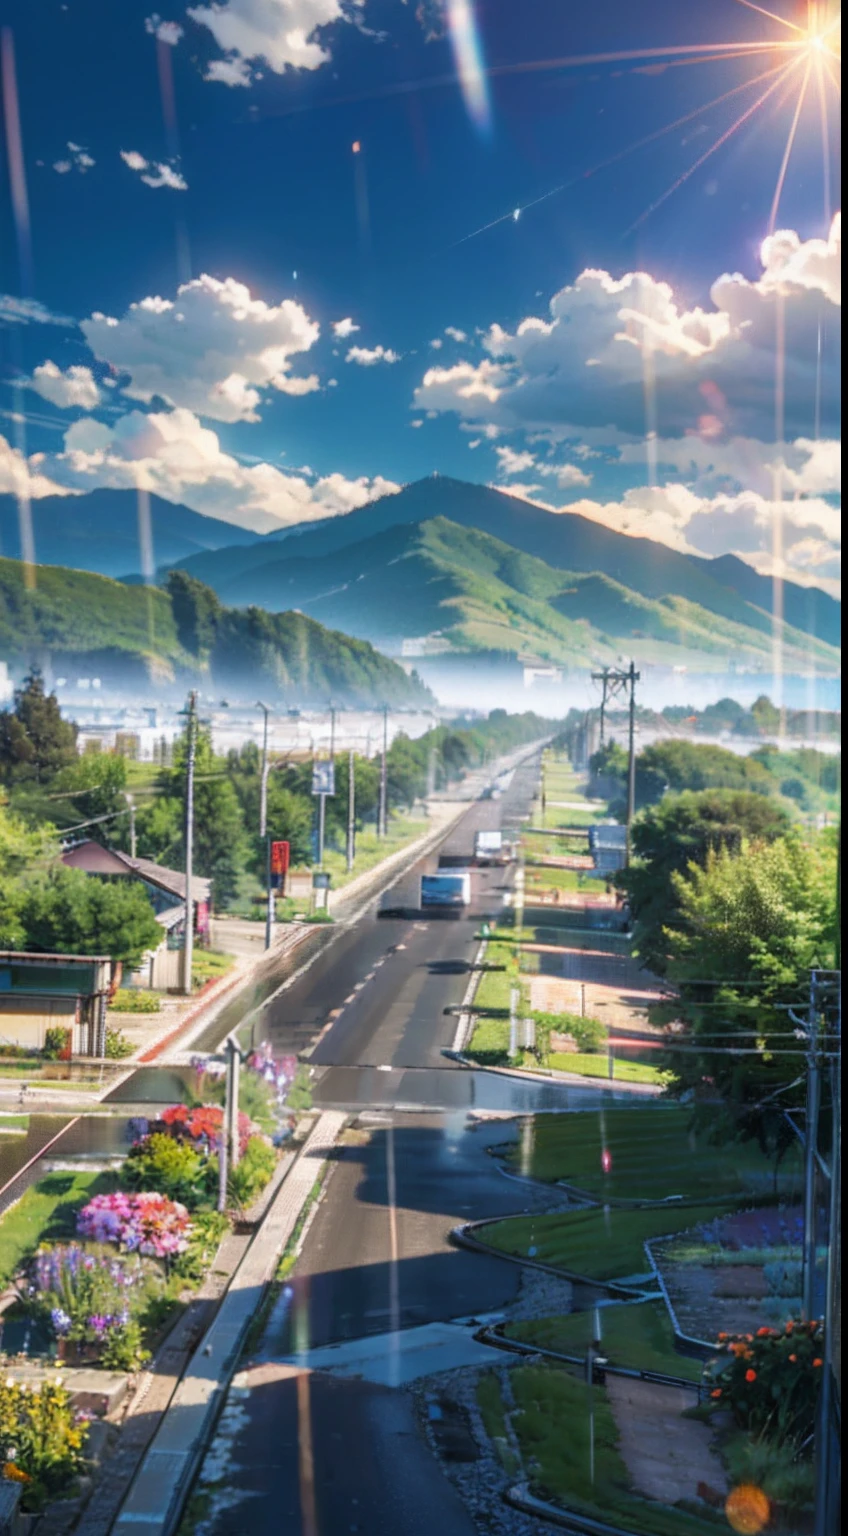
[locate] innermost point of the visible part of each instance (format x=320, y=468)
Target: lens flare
x=468, y=57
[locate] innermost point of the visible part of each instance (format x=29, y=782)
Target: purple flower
x=61, y=1322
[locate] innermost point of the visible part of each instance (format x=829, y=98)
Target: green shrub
x=57, y=1041
x=172, y=1168
x=117, y=1045
x=123, y=1349
x=249, y=1177
x=588, y=1034
x=770, y=1380
x=207, y=1229
x=299, y=1096
x=134, y=1000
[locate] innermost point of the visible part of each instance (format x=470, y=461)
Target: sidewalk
x=155, y=1500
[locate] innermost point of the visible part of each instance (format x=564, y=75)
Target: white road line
x=464, y=1022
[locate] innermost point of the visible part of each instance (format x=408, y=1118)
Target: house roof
x=93, y=859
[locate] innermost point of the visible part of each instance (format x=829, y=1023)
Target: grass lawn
x=46, y=1212
x=639, y=1337
x=14, y=1123
x=654, y=1154
x=208, y=965
x=371, y=849
x=598, y=1066
x=552, y=1425
x=489, y=1042
x=493, y=1413
x=601, y=1244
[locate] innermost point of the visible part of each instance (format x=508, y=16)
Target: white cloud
x=211, y=349
x=75, y=387
x=741, y=524
x=512, y=463
x=172, y=454
x=279, y=33
x=366, y=357
x=455, y=333
x=78, y=159
x=15, y=311
x=567, y=474
x=23, y=477
x=437, y=343
x=343, y=328
x=713, y=369
x=154, y=173
x=168, y=32
x=233, y=72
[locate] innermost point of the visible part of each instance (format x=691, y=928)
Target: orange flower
x=722, y=1337
x=817, y=1361
x=790, y=1326
x=750, y=1375
x=763, y=1333
x=716, y=1393
x=793, y=1358
x=15, y=1474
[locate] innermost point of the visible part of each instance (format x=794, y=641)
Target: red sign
x=279, y=858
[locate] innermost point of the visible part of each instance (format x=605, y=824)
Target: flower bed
x=94, y=1302
x=42, y=1441
x=144, y=1223
x=770, y=1380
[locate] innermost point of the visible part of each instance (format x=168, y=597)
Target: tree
x=679, y=765
x=753, y=923
x=35, y=742
x=67, y=912
x=197, y=613
x=220, y=845
x=682, y=830
x=25, y=852
x=766, y=716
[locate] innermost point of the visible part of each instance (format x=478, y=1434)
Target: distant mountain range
x=100, y=532
x=86, y=625
x=480, y=570
x=486, y=571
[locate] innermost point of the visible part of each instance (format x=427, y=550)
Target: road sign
x=280, y=858
x=320, y=880
x=323, y=778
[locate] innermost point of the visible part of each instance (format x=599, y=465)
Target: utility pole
x=131, y=804
x=615, y=681
x=811, y=1139
x=332, y=734
x=233, y=1064
x=322, y=802
x=270, y=913
x=382, y=814
x=351, y=809
x=263, y=782
x=188, y=939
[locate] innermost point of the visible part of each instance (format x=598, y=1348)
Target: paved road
x=304, y=1451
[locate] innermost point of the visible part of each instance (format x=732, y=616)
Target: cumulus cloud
x=23, y=477
x=455, y=334
x=712, y=369
x=76, y=386
x=740, y=524
x=211, y=349
x=77, y=159
x=279, y=33
x=154, y=173
x=366, y=357
x=168, y=32
x=172, y=454
x=343, y=328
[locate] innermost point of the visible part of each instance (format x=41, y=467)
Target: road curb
x=463, y=1236
x=520, y=1497
x=498, y=1340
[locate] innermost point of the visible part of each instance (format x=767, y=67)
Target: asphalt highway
x=304, y=1449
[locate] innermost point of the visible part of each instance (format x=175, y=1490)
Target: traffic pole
x=188, y=938
x=351, y=810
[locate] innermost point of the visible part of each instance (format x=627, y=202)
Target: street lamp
x=263, y=784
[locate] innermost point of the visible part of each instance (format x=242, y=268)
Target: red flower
x=716, y=1393
x=764, y=1333
x=816, y=1362
x=793, y=1358
x=750, y=1375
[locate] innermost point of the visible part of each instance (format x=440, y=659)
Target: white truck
x=489, y=848
x=448, y=888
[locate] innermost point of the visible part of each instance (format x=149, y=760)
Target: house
x=166, y=890
x=42, y=992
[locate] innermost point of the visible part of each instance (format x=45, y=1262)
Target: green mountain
x=477, y=593
x=91, y=625
x=725, y=587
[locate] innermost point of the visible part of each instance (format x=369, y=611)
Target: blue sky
x=216, y=143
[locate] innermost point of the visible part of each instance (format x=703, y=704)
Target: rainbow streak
x=468, y=57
